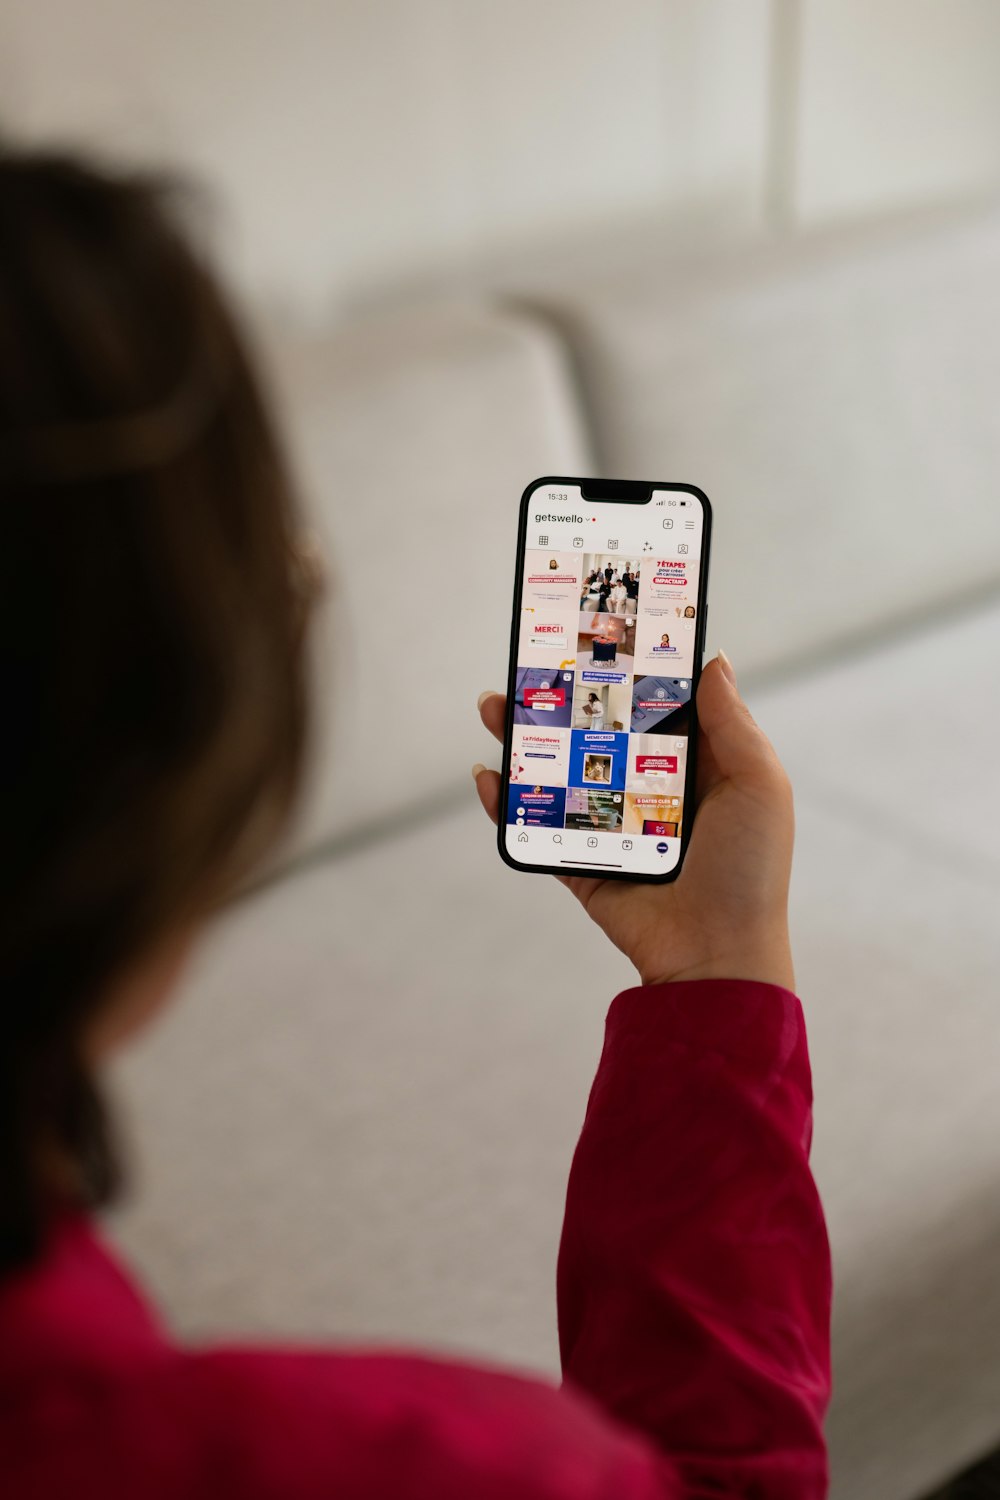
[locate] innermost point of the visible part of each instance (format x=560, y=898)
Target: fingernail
x=727, y=667
x=489, y=693
x=477, y=770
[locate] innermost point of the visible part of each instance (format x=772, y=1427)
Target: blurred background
x=753, y=244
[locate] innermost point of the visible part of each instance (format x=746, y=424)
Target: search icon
x=557, y=838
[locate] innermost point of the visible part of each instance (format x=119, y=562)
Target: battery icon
x=682, y=502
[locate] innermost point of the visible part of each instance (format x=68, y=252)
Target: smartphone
x=606, y=644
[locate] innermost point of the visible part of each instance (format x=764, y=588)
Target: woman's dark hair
x=151, y=636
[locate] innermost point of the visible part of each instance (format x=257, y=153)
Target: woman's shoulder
x=255, y=1424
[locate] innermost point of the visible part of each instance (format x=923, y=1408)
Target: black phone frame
x=623, y=492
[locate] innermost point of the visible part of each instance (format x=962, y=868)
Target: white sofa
x=358, y=1125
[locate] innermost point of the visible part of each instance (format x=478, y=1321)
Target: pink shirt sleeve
x=694, y=1271
x=693, y=1294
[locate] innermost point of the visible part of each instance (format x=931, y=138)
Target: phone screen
x=606, y=652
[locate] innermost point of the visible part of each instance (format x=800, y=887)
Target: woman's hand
x=726, y=915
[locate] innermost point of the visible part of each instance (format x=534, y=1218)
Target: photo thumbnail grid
x=602, y=692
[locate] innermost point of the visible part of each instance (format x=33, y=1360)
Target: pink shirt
x=693, y=1302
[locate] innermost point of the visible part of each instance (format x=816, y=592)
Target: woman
x=153, y=602
x=594, y=712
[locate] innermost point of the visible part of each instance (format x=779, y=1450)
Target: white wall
x=359, y=143
x=898, y=102
x=364, y=140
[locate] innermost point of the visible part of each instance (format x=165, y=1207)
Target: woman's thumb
x=738, y=747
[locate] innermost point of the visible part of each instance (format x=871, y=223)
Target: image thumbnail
x=604, y=647
x=602, y=705
x=656, y=764
x=668, y=582
x=543, y=697
x=664, y=645
x=660, y=705
x=660, y=816
x=536, y=806
x=547, y=638
x=552, y=581
x=540, y=755
x=598, y=756
x=588, y=809
x=610, y=583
